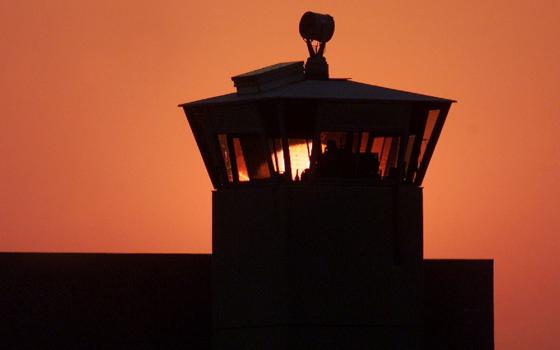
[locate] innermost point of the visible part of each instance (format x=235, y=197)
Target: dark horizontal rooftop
x=331, y=89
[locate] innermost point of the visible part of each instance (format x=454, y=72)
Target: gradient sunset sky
x=95, y=156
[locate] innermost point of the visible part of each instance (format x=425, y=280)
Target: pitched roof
x=331, y=89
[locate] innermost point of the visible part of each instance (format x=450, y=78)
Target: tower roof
x=328, y=89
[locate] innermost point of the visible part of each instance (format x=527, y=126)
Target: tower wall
x=313, y=266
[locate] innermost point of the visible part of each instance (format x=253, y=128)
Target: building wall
x=161, y=301
x=105, y=301
x=459, y=304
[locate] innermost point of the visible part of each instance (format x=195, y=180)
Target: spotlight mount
x=318, y=29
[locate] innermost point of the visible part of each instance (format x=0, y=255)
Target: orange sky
x=95, y=155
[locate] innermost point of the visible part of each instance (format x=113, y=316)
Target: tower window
x=245, y=157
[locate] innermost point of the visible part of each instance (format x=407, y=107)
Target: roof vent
x=268, y=78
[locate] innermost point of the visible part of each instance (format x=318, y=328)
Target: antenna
x=316, y=29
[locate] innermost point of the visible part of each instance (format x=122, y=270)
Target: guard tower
x=317, y=205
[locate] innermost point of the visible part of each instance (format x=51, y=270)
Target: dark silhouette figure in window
x=336, y=162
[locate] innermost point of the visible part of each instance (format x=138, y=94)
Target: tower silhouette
x=317, y=209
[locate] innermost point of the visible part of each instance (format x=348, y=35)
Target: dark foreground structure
x=317, y=214
x=317, y=234
x=157, y=301
x=105, y=301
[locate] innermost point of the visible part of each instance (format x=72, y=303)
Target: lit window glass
x=300, y=154
x=409, y=146
x=256, y=158
x=222, y=138
x=387, y=150
x=277, y=155
x=358, y=155
x=240, y=160
x=364, y=141
x=251, y=157
x=430, y=124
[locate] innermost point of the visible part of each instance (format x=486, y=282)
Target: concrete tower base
x=317, y=266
